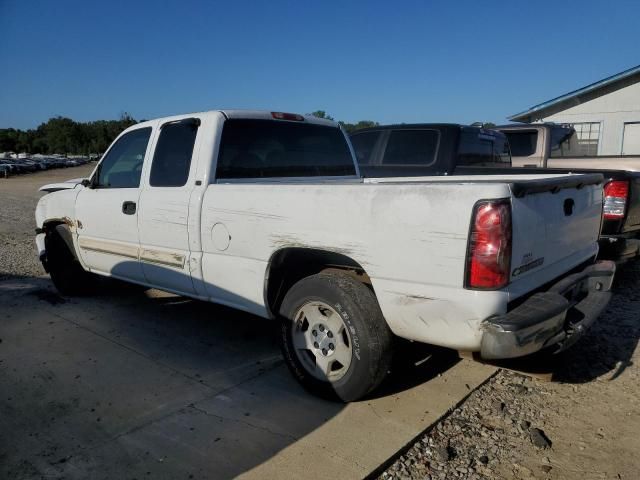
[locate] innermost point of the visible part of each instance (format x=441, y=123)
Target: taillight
x=616, y=194
x=287, y=116
x=489, y=250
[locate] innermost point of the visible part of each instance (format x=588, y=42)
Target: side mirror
x=86, y=182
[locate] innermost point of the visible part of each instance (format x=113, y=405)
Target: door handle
x=129, y=208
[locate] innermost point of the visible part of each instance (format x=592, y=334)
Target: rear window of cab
x=270, y=149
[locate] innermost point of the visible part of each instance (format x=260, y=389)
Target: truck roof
x=438, y=126
x=528, y=126
x=242, y=114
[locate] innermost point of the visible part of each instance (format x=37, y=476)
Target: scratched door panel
x=164, y=238
x=164, y=207
x=108, y=238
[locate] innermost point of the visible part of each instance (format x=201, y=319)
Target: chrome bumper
x=557, y=317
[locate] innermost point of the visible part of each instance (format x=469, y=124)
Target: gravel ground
x=18, y=198
x=583, y=424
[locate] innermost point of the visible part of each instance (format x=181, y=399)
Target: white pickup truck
x=266, y=212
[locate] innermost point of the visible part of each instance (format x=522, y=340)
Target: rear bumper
x=557, y=317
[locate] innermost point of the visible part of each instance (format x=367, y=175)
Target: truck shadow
x=608, y=346
x=414, y=363
x=154, y=377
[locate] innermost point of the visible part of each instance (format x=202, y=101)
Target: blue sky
x=453, y=61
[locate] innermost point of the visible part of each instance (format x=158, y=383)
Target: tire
x=334, y=338
x=66, y=273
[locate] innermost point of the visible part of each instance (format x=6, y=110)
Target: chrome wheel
x=321, y=341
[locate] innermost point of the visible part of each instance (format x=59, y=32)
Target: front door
x=107, y=211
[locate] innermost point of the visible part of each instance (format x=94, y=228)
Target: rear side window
x=523, y=144
x=363, y=145
x=267, y=148
x=411, y=147
x=122, y=165
x=483, y=149
x=172, y=158
x=571, y=142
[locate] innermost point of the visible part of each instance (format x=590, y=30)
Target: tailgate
x=556, y=224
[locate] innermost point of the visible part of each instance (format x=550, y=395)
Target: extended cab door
x=107, y=211
x=165, y=207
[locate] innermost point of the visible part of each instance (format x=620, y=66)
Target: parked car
x=25, y=164
x=551, y=145
x=14, y=168
x=266, y=212
x=451, y=149
x=52, y=162
x=28, y=165
x=43, y=161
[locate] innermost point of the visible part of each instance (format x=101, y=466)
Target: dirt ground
x=583, y=424
x=18, y=197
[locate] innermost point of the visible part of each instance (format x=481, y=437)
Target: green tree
x=66, y=136
x=322, y=114
x=8, y=139
x=352, y=127
x=349, y=127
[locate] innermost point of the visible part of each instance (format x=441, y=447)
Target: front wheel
x=65, y=270
x=333, y=336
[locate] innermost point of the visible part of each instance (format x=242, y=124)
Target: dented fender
x=57, y=208
x=40, y=245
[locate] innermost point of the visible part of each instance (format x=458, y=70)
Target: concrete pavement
x=143, y=384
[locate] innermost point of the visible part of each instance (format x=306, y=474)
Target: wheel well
x=50, y=225
x=289, y=265
x=61, y=228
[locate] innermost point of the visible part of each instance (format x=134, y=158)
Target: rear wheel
x=333, y=336
x=65, y=270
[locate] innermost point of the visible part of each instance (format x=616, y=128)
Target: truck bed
x=627, y=227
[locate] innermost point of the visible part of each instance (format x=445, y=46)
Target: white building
x=605, y=114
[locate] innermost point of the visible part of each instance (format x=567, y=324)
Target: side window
x=523, y=144
x=122, y=165
x=576, y=140
x=411, y=147
x=363, y=144
x=172, y=158
x=483, y=149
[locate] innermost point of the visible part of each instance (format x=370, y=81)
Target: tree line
x=64, y=135
x=349, y=127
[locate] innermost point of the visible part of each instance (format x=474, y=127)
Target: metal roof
x=618, y=77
